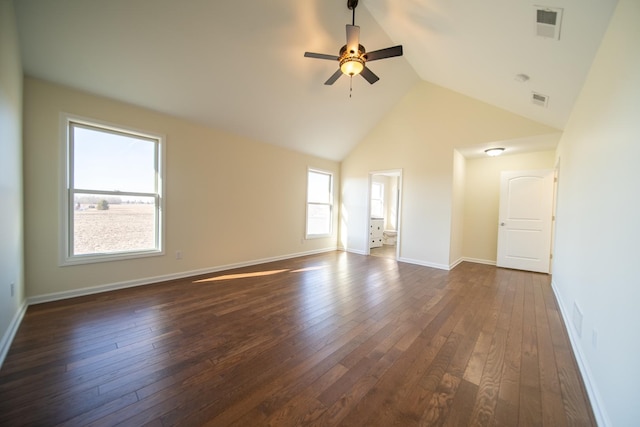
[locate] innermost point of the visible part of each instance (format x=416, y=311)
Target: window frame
x=330, y=204
x=66, y=203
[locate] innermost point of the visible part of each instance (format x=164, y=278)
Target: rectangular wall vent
x=548, y=20
x=539, y=99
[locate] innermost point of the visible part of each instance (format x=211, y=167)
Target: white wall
x=482, y=199
x=229, y=200
x=419, y=136
x=11, y=234
x=598, y=222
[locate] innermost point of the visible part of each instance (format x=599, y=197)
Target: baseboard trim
x=355, y=251
x=424, y=263
x=599, y=412
x=456, y=263
x=479, y=261
x=56, y=296
x=10, y=334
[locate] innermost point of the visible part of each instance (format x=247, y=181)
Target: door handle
x=502, y=224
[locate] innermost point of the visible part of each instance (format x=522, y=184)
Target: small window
x=112, y=198
x=319, y=203
x=377, y=200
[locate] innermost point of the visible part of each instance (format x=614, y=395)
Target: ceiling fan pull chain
x=350, y=85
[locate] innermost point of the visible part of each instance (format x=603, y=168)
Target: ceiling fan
x=353, y=56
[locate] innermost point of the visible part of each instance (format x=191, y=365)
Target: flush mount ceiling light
x=494, y=151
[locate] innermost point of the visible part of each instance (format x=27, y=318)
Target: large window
x=319, y=203
x=112, y=198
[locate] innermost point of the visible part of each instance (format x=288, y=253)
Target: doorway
x=385, y=196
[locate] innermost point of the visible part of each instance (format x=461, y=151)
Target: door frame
x=388, y=172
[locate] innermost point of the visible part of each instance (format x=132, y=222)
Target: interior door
x=525, y=218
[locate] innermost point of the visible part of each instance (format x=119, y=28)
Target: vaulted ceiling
x=239, y=65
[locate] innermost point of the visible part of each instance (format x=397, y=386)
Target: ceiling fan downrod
x=351, y=5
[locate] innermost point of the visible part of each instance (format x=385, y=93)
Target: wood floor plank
x=551, y=394
x=328, y=339
x=439, y=406
x=462, y=405
x=507, y=408
x=487, y=396
x=530, y=394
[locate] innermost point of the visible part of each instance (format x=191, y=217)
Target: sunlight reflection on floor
x=257, y=274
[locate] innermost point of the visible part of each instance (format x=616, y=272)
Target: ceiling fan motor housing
x=344, y=53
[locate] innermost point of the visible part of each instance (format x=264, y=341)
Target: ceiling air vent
x=539, y=99
x=548, y=22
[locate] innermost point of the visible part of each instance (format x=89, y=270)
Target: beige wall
x=419, y=136
x=482, y=197
x=11, y=240
x=598, y=222
x=229, y=200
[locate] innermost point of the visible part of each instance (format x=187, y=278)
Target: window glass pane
x=376, y=190
x=107, y=161
x=377, y=200
x=106, y=224
x=319, y=189
x=318, y=219
x=376, y=209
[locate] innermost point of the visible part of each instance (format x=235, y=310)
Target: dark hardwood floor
x=331, y=339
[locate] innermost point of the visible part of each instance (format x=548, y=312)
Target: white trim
x=55, y=296
x=10, y=333
x=424, y=263
x=356, y=251
x=478, y=261
x=602, y=419
x=456, y=263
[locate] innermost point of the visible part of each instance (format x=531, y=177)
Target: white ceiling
x=239, y=65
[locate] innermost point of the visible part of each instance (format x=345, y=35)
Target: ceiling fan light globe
x=351, y=66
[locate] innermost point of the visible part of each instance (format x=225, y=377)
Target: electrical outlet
x=13, y=289
x=178, y=254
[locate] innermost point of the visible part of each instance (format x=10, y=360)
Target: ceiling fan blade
x=320, y=56
x=389, y=52
x=333, y=78
x=369, y=75
x=353, y=38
